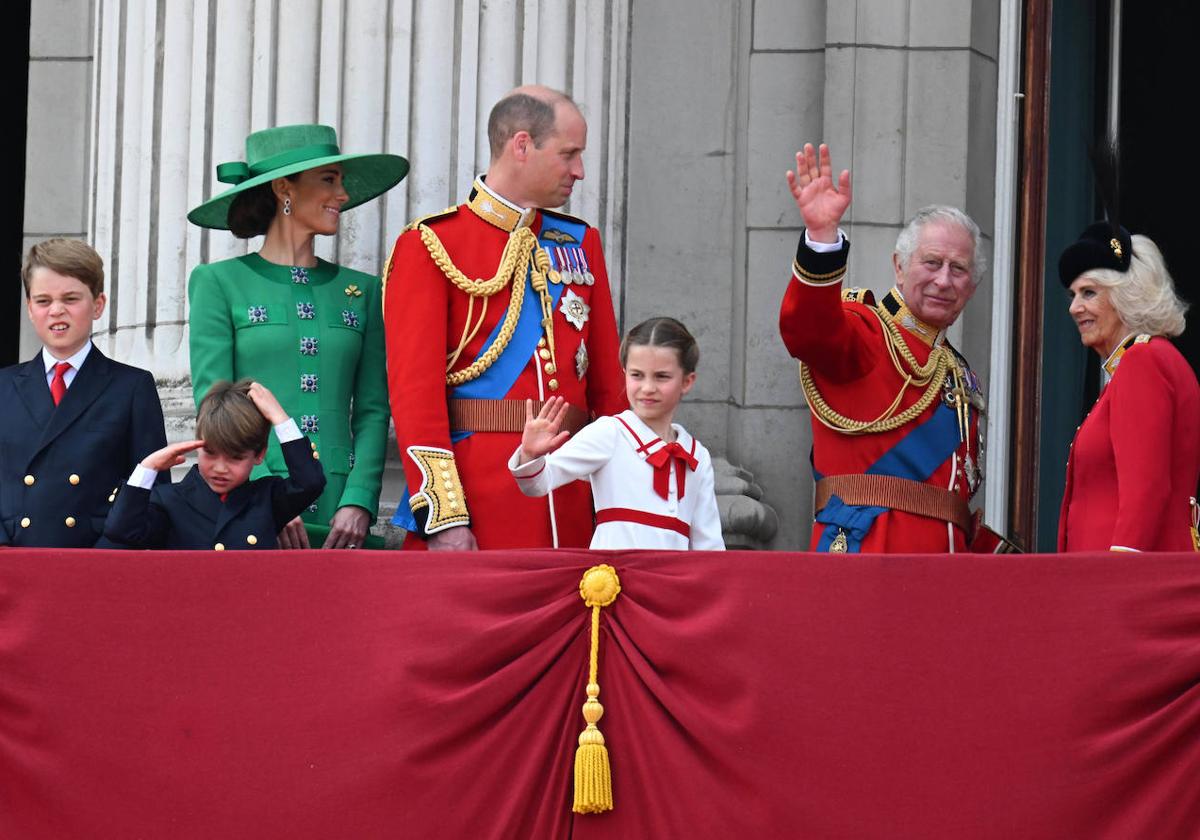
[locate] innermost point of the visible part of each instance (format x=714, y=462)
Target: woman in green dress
x=309, y=330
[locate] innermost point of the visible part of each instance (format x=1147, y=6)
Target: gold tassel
x=593, y=776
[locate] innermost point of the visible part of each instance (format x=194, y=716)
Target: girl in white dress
x=652, y=482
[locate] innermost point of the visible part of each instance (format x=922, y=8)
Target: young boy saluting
x=74, y=421
x=216, y=506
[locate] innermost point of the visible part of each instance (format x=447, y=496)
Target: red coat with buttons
x=424, y=315
x=846, y=348
x=1135, y=460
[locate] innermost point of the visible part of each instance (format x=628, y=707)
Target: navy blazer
x=60, y=466
x=189, y=515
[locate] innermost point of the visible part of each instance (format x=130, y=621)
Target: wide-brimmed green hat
x=288, y=149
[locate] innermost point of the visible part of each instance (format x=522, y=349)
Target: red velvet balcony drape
x=384, y=695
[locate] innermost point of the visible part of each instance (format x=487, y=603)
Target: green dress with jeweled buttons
x=315, y=338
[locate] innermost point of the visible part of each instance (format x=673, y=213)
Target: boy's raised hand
x=266, y=403
x=170, y=455
x=542, y=433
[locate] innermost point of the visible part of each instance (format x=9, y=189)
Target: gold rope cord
x=514, y=262
x=930, y=376
x=593, y=772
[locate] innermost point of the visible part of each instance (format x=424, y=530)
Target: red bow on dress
x=661, y=461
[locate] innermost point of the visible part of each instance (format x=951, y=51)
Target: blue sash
x=915, y=456
x=495, y=382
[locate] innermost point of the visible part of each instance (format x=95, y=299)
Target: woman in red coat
x=1135, y=461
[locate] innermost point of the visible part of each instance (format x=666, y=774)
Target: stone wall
x=721, y=96
x=695, y=108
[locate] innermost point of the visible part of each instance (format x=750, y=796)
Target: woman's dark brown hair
x=251, y=212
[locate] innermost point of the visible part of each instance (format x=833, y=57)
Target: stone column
x=57, y=192
x=180, y=83
x=722, y=94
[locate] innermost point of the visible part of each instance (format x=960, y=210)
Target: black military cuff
x=815, y=268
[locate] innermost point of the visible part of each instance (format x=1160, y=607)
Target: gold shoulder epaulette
x=441, y=214
x=560, y=215
x=857, y=295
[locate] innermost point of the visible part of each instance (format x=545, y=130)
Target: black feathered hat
x=1103, y=244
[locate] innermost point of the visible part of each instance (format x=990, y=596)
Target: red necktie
x=662, y=459
x=58, y=385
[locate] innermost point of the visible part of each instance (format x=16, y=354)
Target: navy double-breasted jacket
x=189, y=515
x=61, y=466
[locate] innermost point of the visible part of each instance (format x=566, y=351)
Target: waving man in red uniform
x=897, y=431
x=486, y=305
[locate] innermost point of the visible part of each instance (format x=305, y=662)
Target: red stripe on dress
x=532, y=475
x=642, y=447
x=641, y=517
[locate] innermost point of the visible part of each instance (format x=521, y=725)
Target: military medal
x=972, y=473
x=839, y=545
x=581, y=360
x=560, y=262
x=574, y=309
x=585, y=273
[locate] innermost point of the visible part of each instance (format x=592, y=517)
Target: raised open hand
x=542, y=433
x=170, y=455
x=821, y=202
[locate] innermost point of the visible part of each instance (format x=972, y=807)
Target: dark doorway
x=1158, y=80
x=14, y=47
x=1156, y=77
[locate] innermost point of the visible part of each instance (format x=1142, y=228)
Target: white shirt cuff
x=825, y=247
x=288, y=431
x=528, y=469
x=143, y=477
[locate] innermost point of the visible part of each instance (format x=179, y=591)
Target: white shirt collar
x=648, y=435
x=75, y=361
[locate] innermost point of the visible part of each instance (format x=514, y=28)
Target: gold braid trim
x=441, y=489
x=522, y=247
x=513, y=262
x=929, y=376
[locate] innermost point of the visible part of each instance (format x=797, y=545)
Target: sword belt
x=894, y=493
x=475, y=415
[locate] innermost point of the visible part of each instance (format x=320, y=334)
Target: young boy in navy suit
x=216, y=506
x=74, y=422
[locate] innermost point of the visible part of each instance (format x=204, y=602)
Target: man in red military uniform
x=486, y=305
x=897, y=431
